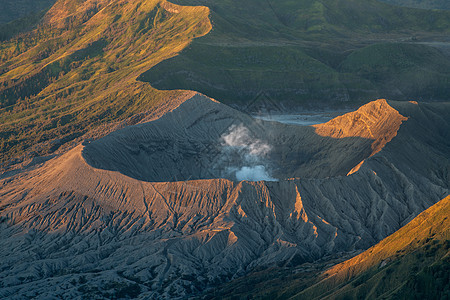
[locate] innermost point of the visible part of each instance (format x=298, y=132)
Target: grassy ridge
x=412, y=263
x=18, y=26
x=78, y=70
x=244, y=70
x=410, y=71
x=296, y=52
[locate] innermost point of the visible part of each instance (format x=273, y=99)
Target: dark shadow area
x=19, y=16
x=19, y=9
x=312, y=54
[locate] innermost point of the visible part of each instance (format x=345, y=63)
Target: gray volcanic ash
x=142, y=208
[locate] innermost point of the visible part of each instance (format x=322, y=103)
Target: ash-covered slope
x=112, y=218
x=412, y=262
x=204, y=139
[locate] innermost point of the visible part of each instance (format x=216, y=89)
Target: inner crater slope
x=204, y=139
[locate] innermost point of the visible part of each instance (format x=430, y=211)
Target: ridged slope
x=394, y=267
x=173, y=239
x=191, y=145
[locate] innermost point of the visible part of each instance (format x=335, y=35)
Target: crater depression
x=204, y=139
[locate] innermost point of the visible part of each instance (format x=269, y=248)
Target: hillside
x=300, y=54
x=121, y=178
x=21, y=16
x=409, y=264
x=17, y=9
x=78, y=69
x=412, y=262
x=425, y=4
x=84, y=66
x=204, y=194
x=147, y=153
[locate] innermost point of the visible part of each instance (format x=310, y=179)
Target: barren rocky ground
x=159, y=209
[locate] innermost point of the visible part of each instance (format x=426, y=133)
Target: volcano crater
x=204, y=139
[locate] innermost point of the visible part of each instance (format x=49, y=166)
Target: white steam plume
x=239, y=137
x=255, y=173
x=246, y=154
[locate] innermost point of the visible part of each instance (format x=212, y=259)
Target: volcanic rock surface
x=389, y=269
x=206, y=140
x=158, y=209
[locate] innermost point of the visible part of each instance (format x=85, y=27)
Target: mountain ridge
x=409, y=263
x=17, y=9
x=300, y=53
x=303, y=62
x=78, y=219
x=73, y=85
x=433, y=4
x=431, y=225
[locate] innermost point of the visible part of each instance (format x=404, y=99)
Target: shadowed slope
x=301, y=53
x=188, y=143
x=19, y=16
x=78, y=69
x=174, y=239
x=16, y=9
x=411, y=262
x=430, y=4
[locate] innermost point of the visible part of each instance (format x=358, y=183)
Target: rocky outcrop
x=156, y=209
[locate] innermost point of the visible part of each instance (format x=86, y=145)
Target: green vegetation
x=302, y=53
x=426, y=4
x=418, y=71
x=244, y=70
x=14, y=28
x=273, y=283
x=412, y=263
x=78, y=69
x=422, y=274
x=110, y=290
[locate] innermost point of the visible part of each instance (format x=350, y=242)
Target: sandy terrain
x=157, y=207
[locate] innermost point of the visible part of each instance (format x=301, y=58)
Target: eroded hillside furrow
x=395, y=266
x=98, y=218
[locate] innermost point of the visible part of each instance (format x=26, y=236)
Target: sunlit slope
x=79, y=68
x=295, y=52
x=148, y=206
x=412, y=262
